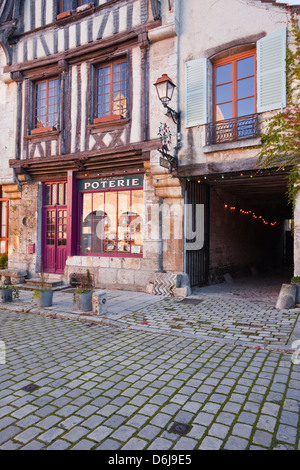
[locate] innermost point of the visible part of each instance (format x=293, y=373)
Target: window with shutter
x=271, y=76
x=196, y=92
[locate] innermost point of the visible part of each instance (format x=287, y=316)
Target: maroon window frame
x=4, y=221
x=111, y=91
x=47, y=98
x=105, y=252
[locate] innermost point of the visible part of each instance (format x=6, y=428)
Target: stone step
x=49, y=283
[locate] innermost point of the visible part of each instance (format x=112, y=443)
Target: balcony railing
x=232, y=129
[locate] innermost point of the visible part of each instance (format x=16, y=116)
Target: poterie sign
x=117, y=182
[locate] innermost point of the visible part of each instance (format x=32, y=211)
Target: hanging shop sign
x=117, y=182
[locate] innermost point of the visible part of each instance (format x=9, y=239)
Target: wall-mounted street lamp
x=165, y=89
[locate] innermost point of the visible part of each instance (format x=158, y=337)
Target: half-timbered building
x=80, y=135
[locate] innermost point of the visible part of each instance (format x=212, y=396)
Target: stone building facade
x=81, y=163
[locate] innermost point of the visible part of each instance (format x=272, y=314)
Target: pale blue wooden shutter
x=196, y=93
x=271, y=75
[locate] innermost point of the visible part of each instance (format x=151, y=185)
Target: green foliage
x=3, y=261
x=281, y=138
x=15, y=290
x=85, y=286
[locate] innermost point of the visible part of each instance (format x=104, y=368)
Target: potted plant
x=8, y=293
x=83, y=294
x=44, y=295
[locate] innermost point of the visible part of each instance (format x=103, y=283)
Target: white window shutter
x=271, y=75
x=196, y=92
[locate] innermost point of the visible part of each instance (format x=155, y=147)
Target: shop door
x=197, y=260
x=55, y=239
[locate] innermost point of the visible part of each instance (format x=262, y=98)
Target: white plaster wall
x=8, y=100
x=205, y=26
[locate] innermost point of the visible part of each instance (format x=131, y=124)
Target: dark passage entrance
x=250, y=224
x=247, y=225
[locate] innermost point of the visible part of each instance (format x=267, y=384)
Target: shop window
x=46, y=104
x=111, y=93
x=111, y=223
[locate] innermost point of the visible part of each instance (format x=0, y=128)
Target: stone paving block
x=204, y=418
x=100, y=433
x=84, y=444
x=210, y=443
x=59, y=445
x=51, y=434
x=185, y=443
x=270, y=409
x=267, y=423
x=24, y=411
x=76, y=434
x=67, y=410
x=236, y=443
x=123, y=433
x=262, y=438
x=218, y=430
x=8, y=433
x=92, y=422
x=242, y=430
x=159, y=443
x=286, y=434
x=33, y=445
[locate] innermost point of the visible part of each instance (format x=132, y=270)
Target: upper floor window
x=67, y=5
x=226, y=94
x=234, y=104
x=46, y=103
x=234, y=87
x=111, y=91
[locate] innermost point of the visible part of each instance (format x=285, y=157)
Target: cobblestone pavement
x=121, y=382
x=239, y=313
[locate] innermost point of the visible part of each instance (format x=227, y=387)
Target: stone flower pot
x=6, y=295
x=45, y=299
x=83, y=301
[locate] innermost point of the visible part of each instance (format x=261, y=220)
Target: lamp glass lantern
x=165, y=89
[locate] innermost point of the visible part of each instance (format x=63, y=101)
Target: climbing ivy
x=281, y=137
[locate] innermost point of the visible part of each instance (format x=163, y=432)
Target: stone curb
x=81, y=317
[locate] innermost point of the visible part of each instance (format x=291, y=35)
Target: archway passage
x=250, y=225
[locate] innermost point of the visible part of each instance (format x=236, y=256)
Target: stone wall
x=23, y=230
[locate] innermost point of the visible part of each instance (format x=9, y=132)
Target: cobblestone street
x=124, y=384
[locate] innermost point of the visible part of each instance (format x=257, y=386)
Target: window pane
x=224, y=111
x=47, y=195
x=86, y=224
x=61, y=194
x=136, y=223
x=224, y=93
x=245, y=67
x=99, y=221
x=3, y=219
x=245, y=87
x=111, y=226
x=245, y=107
x=124, y=218
x=223, y=74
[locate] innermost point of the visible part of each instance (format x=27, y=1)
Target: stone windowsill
x=238, y=144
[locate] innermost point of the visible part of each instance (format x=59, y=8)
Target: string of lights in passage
x=226, y=206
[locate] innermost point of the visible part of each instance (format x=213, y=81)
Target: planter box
x=46, y=298
x=6, y=295
x=83, y=301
